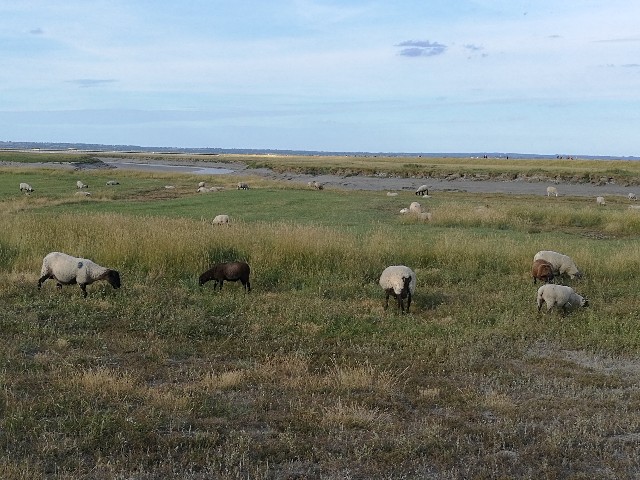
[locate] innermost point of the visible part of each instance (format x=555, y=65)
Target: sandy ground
x=358, y=182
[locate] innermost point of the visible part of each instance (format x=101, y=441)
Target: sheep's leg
x=400, y=304
x=83, y=287
x=386, y=302
x=408, y=301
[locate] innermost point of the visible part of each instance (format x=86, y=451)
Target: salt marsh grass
x=307, y=376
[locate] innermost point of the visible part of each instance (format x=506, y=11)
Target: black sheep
x=230, y=271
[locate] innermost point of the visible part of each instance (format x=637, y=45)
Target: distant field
x=307, y=376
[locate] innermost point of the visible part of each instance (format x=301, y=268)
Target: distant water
x=156, y=167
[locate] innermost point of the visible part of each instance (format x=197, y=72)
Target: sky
x=426, y=76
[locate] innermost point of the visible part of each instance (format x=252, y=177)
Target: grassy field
x=307, y=376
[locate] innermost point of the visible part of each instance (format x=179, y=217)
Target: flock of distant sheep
x=599, y=199
x=398, y=281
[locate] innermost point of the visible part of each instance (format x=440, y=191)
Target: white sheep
x=415, y=207
x=632, y=196
x=559, y=296
x=399, y=281
x=552, y=191
x=422, y=190
x=202, y=190
x=216, y=189
x=242, y=186
x=404, y=210
x=26, y=188
x=83, y=194
x=200, y=184
x=67, y=270
x=221, y=220
x=79, y=184
x=113, y=182
x=600, y=201
x=170, y=187
x=562, y=264
x=392, y=194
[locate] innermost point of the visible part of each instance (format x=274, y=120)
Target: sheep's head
x=584, y=302
x=113, y=277
x=405, y=286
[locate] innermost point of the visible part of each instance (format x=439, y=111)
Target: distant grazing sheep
x=221, y=220
x=422, y=190
x=67, y=270
x=170, y=187
x=113, y=182
x=562, y=264
x=552, y=191
x=230, y=271
x=392, y=194
x=542, y=270
x=79, y=184
x=83, y=194
x=600, y=201
x=318, y=186
x=559, y=296
x=632, y=196
x=399, y=281
x=201, y=184
x=242, y=186
x=203, y=190
x=25, y=187
x=215, y=189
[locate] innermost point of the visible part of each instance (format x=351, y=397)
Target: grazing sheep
x=25, y=187
x=562, y=264
x=216, y=189
x=634, y=207
x=83, y=194
x=422, y=190
x=242, y=186
x=632, y=196
x=415, y=207
x=230, y=271
x=399, y=281
x=318, y=186
x=392, y=194
x=67, y=270
x=170, y=187
x=200, y=184
x=552, y=191
x=221, y=220
x=542, y=270
x=113, y=182
x=203, y=190
x=559, y=296
x=600, y=201
x=79, y=184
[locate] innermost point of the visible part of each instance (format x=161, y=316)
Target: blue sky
x=543, y=76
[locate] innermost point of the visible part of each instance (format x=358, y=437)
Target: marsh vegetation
x=307, y=376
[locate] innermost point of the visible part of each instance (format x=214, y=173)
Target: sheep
x=404, y=210
x=552, y=191
x=221, y=220
x=559, y=296
x=67, y=270
x=318, y=186
x=25, y=187
x=415, y=207
x=632, y=196
x=562, y=264
x=201, y=184
x=542, y=270
x=202, y=190
x=399, y=281
x=422, y=190
x=600, y=201
x=79, y=184
x=170, y=187
x=425, y=216
x=242, y=186
x=113, y=182
x=392, y=194
x=230, y=271
x=216, y=189
x=83, y=194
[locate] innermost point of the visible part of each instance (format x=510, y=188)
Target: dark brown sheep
x=230, y=271
x=542, y=270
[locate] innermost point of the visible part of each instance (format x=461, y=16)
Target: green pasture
x=307, y=376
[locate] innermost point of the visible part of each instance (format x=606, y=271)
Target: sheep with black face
x=399, y=281
x=229, y=271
